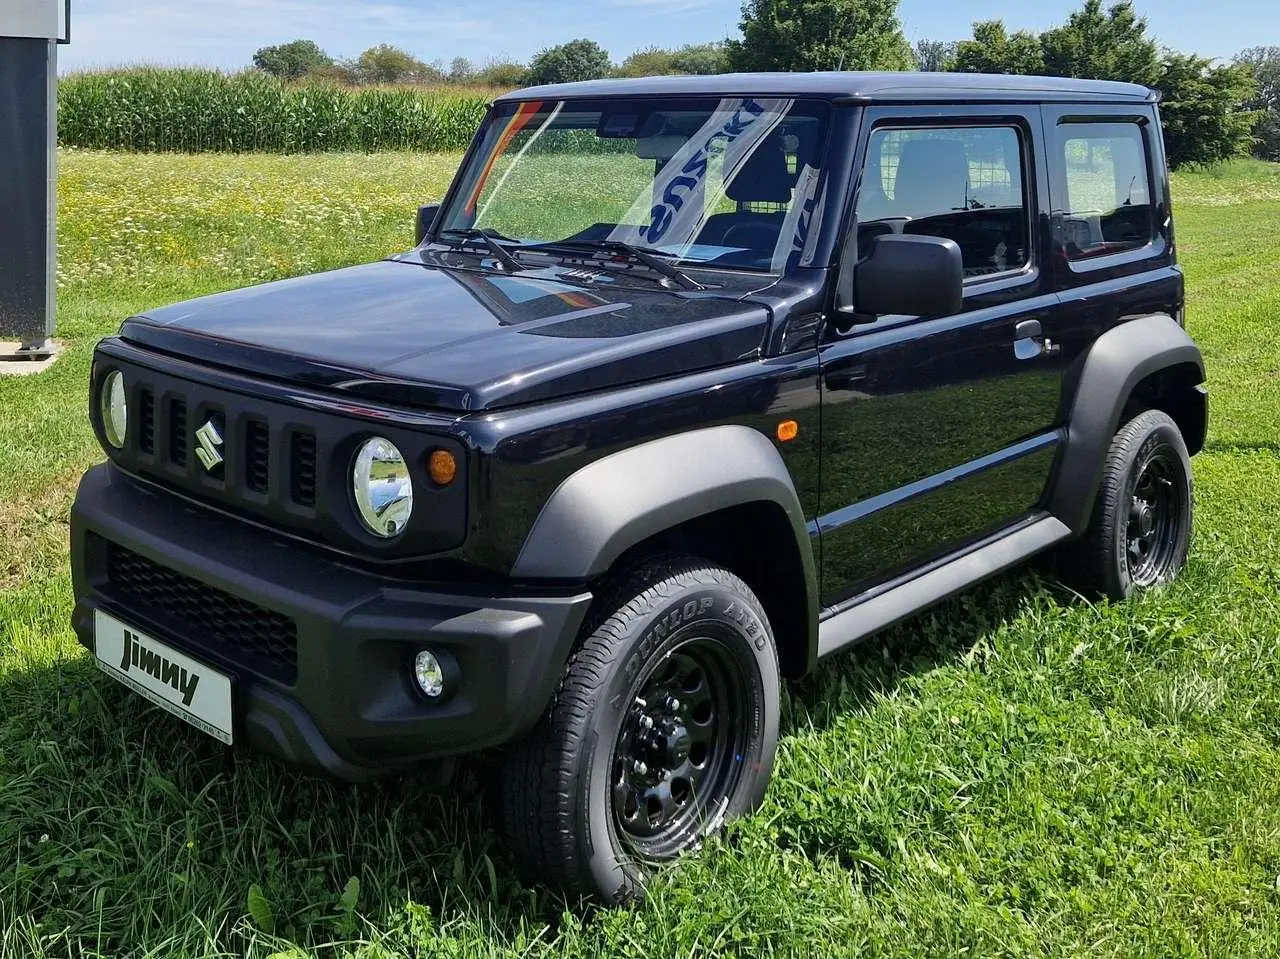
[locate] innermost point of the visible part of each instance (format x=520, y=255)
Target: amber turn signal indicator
x=788, y=430
x=442, y=467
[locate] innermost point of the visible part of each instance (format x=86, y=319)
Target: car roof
x=864, y=87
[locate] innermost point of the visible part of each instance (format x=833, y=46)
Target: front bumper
x=338, y=693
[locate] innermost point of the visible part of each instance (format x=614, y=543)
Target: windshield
x=727, y=183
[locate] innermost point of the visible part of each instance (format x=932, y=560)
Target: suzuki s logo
x=208, y=439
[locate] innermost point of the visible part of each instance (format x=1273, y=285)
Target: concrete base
x=17, y=361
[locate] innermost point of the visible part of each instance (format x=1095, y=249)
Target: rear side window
x=1108, y=189
x=961, y=183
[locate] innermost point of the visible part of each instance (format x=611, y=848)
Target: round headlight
x=114, y=409
x=382, y=487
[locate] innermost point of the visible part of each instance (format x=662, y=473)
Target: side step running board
x=884, y=609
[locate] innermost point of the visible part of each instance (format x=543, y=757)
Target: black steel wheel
x=676, y=759
x=664, y=727
x=1140, y=531
x=1153, y=533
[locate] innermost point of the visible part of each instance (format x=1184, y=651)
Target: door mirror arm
x=846, y=269
x=425, y=221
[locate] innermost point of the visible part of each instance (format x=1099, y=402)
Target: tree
x=1263, y=63
x=820, y=35
x=1202, y=109
x=691, y=60
x=292, y=60
x=501, y=73
x=461, y=70
x=934, y=56
x=1093, y=44
x=1102, y=46
x=1208, y=111
x=697, y=59
x=649, y=62
x=994, y=50
x=575, y=60
x=340, y=73
x=387, y=64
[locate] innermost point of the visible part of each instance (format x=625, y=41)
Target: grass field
x=1016, y=773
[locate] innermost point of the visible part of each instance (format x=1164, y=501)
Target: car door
x=939, y=432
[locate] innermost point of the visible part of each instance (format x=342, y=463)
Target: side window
x=962, y=183
x=1108, y=189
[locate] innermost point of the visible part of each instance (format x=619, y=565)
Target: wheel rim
x=1154, y=526
x=678, y=756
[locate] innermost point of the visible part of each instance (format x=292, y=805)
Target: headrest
x=764, y=177
x=933, y=178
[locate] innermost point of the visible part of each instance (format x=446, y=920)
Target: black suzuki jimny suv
x=688, y=383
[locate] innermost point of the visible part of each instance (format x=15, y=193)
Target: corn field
x=194, y=111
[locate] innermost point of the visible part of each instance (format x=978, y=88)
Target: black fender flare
x=624, y=498
x=1118, y=361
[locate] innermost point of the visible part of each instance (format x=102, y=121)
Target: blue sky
x=225, y=33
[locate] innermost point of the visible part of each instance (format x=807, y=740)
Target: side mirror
x=902, y=273
x=426, y=218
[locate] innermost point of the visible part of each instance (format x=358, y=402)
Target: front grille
x=147, y=423
x=257, y=456
x=266, y=453
x=260, y=460
x=178, y=432
x=302, y=468
x=267, y=462
x=203, y=616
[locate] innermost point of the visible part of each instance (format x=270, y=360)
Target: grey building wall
x=28, y=191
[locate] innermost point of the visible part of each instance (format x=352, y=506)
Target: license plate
x=172, y=680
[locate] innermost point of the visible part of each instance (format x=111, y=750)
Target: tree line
x=1211, y=111
x=575, y=60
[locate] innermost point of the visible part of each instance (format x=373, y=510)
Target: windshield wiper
x=650, y=258
x=491, y=239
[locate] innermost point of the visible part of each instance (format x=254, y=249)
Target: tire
x=679, y=668
x=1140, y=530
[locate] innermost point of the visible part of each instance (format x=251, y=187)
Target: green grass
x=1015, y=773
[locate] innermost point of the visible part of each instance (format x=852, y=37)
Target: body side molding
x=860, y=619
x=1118, y=360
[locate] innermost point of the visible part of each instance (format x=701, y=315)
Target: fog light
x=428, y=673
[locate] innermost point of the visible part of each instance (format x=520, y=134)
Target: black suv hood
x=412, y=332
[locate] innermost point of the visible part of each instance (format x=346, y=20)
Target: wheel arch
x=1149, y=362
x=721, y=493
